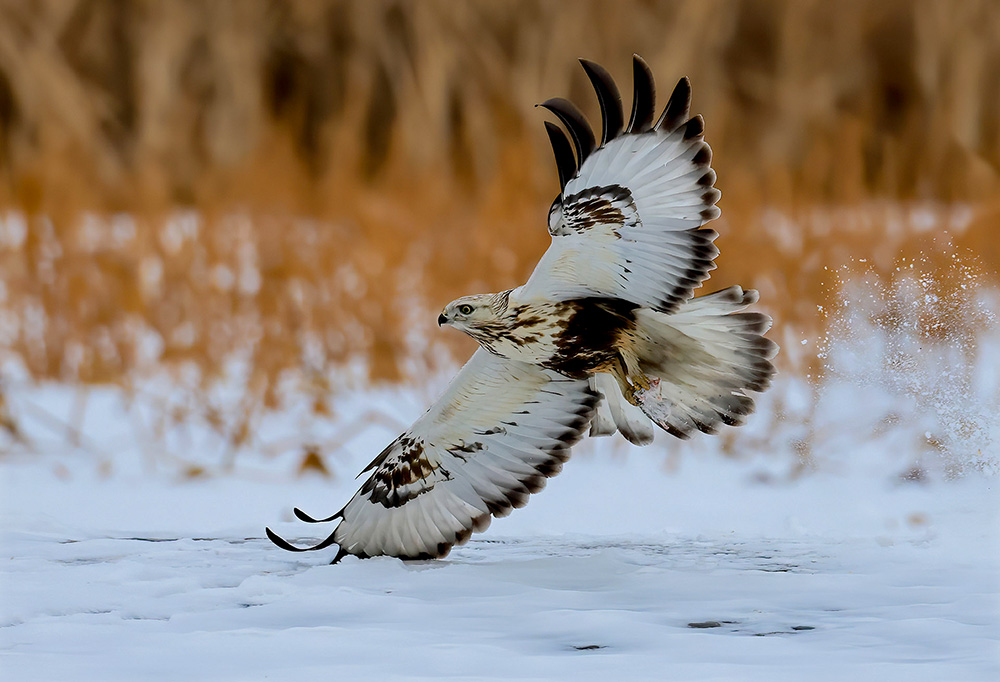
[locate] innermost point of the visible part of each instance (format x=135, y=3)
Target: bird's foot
x=637, y=384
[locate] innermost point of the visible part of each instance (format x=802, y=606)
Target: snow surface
x=618, y=570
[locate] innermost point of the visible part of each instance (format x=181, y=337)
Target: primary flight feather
x=604, y=335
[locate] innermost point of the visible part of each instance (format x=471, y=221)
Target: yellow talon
x=630, y=384
x=630, y=395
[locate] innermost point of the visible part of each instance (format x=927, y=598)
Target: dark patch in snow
x=791, y=631
x=88, y=561
x=712, y=624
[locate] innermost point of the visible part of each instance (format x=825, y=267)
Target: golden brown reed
x=298, y=179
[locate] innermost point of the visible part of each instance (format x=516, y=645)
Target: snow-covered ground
x=718, y=569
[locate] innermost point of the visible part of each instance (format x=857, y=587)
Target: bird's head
x=472, y=314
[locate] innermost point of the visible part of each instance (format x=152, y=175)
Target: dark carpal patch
x=610, y=205
x=590, y=336
x=597, y=206
x=400, y=471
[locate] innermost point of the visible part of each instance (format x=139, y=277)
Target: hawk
x=604, y=336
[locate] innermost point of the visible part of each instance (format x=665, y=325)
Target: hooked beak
x=442, y=319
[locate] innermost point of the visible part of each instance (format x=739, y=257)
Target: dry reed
x=296, y=182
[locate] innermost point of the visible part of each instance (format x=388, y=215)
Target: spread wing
x=628, y=222
x=501, y=428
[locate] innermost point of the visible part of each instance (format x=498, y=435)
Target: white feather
x=481, y=406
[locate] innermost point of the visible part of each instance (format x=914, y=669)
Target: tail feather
x=603, y=423
x=616, y=412
x=702, y=360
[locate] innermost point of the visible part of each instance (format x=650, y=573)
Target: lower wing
x=499, y=431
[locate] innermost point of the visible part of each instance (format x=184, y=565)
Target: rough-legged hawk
x=604, y=335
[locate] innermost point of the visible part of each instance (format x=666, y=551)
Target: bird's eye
x=465, y=309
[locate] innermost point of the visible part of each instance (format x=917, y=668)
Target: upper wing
x=628, y=222
x=501, y=428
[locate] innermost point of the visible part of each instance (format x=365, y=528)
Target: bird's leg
x=620, y=374
x=641, y=381
x=629, y=384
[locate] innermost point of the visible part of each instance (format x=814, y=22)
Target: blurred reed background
x=303, y=183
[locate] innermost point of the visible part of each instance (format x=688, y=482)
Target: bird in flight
x=604, y=336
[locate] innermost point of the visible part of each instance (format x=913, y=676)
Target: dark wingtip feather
x=694, y=128
x=302, y=516
x=577, y=125
x=643, y=97
x=565, y=162
x=703, y=157
x=281, y=542
x=285, y=545
x=678, y=107
x=612, y=116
